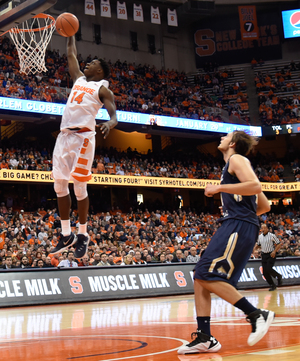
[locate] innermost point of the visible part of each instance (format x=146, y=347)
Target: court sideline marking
x=114, y=359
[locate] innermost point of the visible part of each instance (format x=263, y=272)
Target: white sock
x=82, y=228
x=65, y=227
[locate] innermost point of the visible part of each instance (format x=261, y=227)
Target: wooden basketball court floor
x=147, y=329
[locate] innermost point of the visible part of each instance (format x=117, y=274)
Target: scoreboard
x=281, y=129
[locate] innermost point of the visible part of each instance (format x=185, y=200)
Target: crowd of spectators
x=175, y=163
x=145, y=89
x=137, y=87
x=226, y=94
x=36, y=87
x=26, y=158
x=270, y=172
x=110, y=161
x=273, y=108
x=116, y=238
x=279, y=82
x=296, y=169
x=276, y=110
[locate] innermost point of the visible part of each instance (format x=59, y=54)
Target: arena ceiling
x=62, y=4
x=189, y=11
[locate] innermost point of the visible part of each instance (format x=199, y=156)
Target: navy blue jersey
x=236, y=206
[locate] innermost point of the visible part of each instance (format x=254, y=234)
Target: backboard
x=14, y=12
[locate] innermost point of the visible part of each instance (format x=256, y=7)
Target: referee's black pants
x=268, y=270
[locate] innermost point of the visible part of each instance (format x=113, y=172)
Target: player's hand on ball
x=210, y=190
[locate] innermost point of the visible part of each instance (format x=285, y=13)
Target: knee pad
x=61, y=187
x=80, y=190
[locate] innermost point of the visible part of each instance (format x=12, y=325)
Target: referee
x=269, y=244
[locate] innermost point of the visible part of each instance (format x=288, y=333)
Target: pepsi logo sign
x=295, y=19
x=291, y=23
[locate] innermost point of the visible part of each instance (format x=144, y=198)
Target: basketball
x=67, y=24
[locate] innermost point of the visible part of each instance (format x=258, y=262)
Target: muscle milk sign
x=29, y=287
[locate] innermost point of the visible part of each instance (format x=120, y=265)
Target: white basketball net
x=31, y=39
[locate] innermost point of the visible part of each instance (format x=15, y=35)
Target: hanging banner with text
x=121, y=10
x=248, y=22
x=42, y=286
x=138, y=14
x=105, y=9
x=219, y=40
x=124, y=180
x=89, y=8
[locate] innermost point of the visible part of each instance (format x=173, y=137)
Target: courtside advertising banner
x=48, y=286
x=136, y=181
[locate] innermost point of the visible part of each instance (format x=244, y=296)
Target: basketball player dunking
x=219, y=269
x=75, y=146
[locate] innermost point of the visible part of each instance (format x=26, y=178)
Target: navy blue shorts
x=228, y=252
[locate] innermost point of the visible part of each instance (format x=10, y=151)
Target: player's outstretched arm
x=73, y=64
x=263, y=205
x=107, y=98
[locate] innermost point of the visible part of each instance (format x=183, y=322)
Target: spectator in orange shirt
x=4, y=164
x=55, y=260
x=253, y=63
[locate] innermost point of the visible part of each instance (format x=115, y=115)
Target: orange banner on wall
x=248, y=22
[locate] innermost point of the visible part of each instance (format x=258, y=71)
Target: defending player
x=219, y=269
x=75, y=146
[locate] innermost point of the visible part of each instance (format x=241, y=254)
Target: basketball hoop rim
x=39, y=16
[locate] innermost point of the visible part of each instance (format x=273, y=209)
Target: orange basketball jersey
x=83, y=104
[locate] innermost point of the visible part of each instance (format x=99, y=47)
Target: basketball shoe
x=202, y=343
x=260, y=321
x=81, y=245
x=64, y=243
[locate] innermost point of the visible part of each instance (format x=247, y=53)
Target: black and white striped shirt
x=267, y=242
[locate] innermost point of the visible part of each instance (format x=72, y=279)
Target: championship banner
x=248, y=22
x=121, y=11
x=138, y=14
x=155, y=15
x=105, y=9
x=50, y=286
x=89, y=8
x=124, y=180
x=172, y=17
